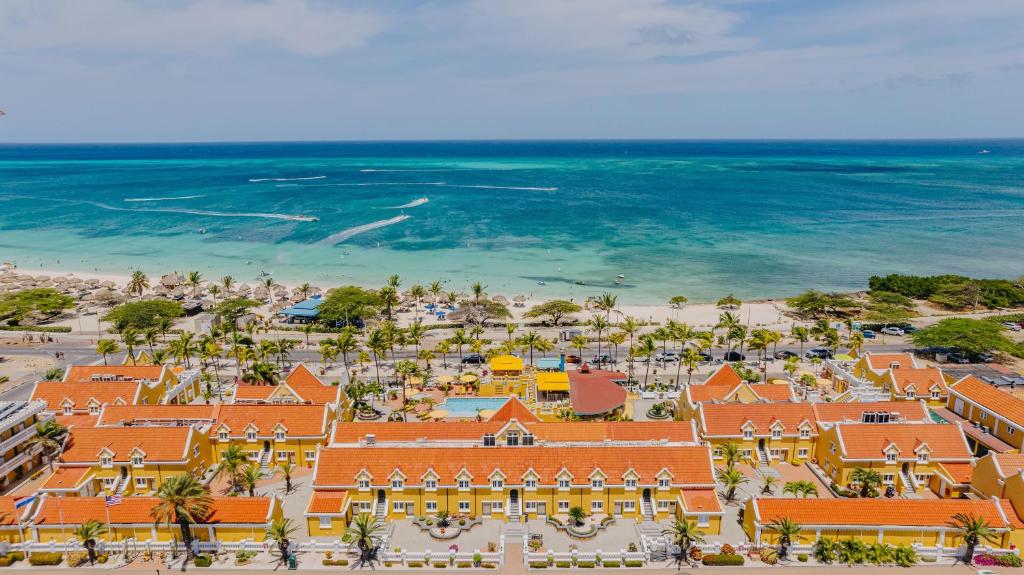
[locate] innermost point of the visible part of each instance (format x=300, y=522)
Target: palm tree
x=868, y=479
x=388, y=298
x=728, y=321
x=364, y=533
x=683, y=334
x=685, y=534
x=214, y=291
x=138, y=283
x=163, y=325
x=183, y=500
x=478, y=292
x=802, y=335
x=150, y=337
x=857, y=342
x=529, y=341
x=787, y=530
x=616, y=339
x=106, y=347
x=825, y=550
x=269, y=283
x=851, y=551
x=228, y=282
x=414, y=334
x=731, y=479
x=378, y=346
x=645, y=347
x=598, y=324
x=606, y=302
x=417, y=292
x=973, y=530
x=87, y=534
x=50, y=436
x=580, y=342
x=691, y=358
x=249, y=477
x=443, y=347
x=510, y=329
x=732, y=454
x=261, y=373
x=194, y=280
x=768, y=483
x=286, y=469
x=435, y=290
x=577, y=515
x=231, y=461
x=130, y=338
x=459, y=339
x=279, y=532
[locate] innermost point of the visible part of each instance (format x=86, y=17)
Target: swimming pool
x=469, y=406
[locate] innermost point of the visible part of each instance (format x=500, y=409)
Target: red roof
x=8, y=514
x=876, y=512
x=724, y=375
x=137, y=510
x=514, y=409
x=909, y=411
x=327, y=502
x=54, y=393
x=729, y=419
x=86, y=373
x=351, y=432
x=157, y=443
x=868, y=441
x=595, y=391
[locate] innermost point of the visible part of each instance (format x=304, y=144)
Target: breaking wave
x=286, y=179
x=289, y=217
x=163, y=199
x=355, y=231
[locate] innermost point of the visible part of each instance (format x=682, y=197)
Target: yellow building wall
x=840, y=470
x=998, y=428
x=298, y=447
x=793, y=445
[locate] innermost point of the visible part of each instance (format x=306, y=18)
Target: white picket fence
x=575, y=556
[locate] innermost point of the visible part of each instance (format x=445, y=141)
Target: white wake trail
x=355, y=231
x=412, y=204
x=163, y=199
x=286, y=179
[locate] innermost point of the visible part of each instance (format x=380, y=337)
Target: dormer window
x=531, y=484
x=935, y=394
x=430, y=484
x=489, y=440
x=463, y=484
x=910, y=394
x=106, y=461
x=222, y=435
x=497, y=483
x=597, y=483
x=891, y=457
x=922, y=457
x=776, y=433
x=250, y=435
x=397, y=484
x=564, y=483
x=512, y=438
x=527, y=439
x=279, y=435
x=94, y=409
x=631, y=483
x=748, y=434
x=137, y=460
x=805, y=433
x=664, y=483
x=68, y=409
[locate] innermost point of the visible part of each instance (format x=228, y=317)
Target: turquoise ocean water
x=759, y=219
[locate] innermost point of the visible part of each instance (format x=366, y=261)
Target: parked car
x=705, y=356
x=868, y=334
x=474, y=359
x=785, y=354
x=983, y=358
x=734, y=356
x=891, y=330
x=605, y=358
x=957, y=357
x=908, y=329
x=572, y=359
x=666, y=356
x=1011, y=326
x=821, y=352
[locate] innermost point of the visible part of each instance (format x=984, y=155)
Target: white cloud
x=620, y=29
x=297, y=26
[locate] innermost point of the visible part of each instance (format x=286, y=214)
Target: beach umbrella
x=92, y=282
x=438, y=414
x=463, y=296
x=24, y=278
x=445, y=379
x=41, y=278
x=108, y=284
x=500, y=299
x=468, y=378
x=519, y=299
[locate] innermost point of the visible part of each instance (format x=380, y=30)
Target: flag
x=112, y=500
x=23, y=502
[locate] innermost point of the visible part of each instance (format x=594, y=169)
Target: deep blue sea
x=702, y=219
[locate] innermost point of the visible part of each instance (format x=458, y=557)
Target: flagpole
x=60, y=514
x=106, y=508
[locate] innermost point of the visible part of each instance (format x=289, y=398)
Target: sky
x=241, y=70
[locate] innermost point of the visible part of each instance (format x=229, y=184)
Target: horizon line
x=514, y=140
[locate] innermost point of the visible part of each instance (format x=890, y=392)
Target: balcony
x=19, y=459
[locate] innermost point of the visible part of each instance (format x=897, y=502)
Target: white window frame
x=398, y=506
x=597, y=483
x=325, y=522
x=398, y=484
x=564, y=484
x=563, y=505
x=430, y=484
x=279, y=436
x=664, y=483
x=431, y=506
x=748, y=434
x=137, y=461
x=596, y=505
x=464, y=507
x=311, y=455
x=464, y=485
x=363, y=484
x=891, y=457
x=141, y=482
x=776, y=434
x=629, y=505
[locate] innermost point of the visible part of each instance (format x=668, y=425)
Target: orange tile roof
x=872, y=512
x=1005, y=405
x=327, y=502
x=1011, y=514
x=867, y=441
x=514, y=409
x=923, y=379
x=120, y=414
x=158, y=443
x=297, y=419
x=8, y=513
x=724, y=375
x=65, y=478
x=137, y=510
x=556, y=431
x=773, y=391
x=1009, y=463
x=959, y=472
x=105, y=392
x=728, y=419
x=595, y=391
x=839, y=412
x=339, y=466
x=880, y=361
x=76, y=420
x=245, y=391
x=701, y=501
x=309, y=386
x=84, y=373
x=766, y=391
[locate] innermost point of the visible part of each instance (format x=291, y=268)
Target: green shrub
x=45, y=558
x=37, y=328
x=489, y=565
x=203, y=561
x=77, y=558
x=335, y=562
x=5, y=561
x=16, y=555
x=563, y=564
x=613, y=564
x=928, y=558
x=462, y=522
x=585, y=564
x=720, y=559
x=101, y=559
x=802, y=557
x=463, y=564
x=538, y=564
x=634, y=563
x=415, y=564
x=440, y=564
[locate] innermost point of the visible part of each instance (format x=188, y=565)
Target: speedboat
x=620, y=276
x=542, y=283
x=984, y=152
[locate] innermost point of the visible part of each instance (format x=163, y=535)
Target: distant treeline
x=956, y=292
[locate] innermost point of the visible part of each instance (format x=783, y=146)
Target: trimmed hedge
x=634, y=563
x=415, y=564
x=37, y=328
x=440, y=564
x=538, y=564
x=464, y=564
x=335, y=562
x=203, y=561
x=612, y=564
x=802, y=558
x=585, y=564
x=721, y=559
x=45, y=558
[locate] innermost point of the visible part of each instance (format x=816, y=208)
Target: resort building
x=875, y=367
x=910, y=384
x=996, y=416
x=595, y=393
x=766, y=433
x=1000, y=475
x=270, y=434
x=10, y=528
x=160, y=383
x=55, y=518
x=508, y=377
x=76, y=399
x=18, y=420
x=920, y=522
x=512, y=483
x=112, y=460
x=301, y=386
x=909, y=457
x=726, y=386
